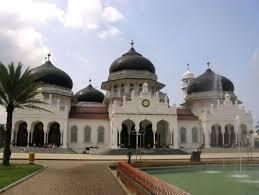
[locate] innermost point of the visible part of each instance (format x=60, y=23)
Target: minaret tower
x=188, y=76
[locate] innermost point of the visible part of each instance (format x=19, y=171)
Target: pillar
x=154, y=139
x=119, y=140
x=44, y=137
x=64, y=137
x=171, y=139
x=206, y=136
x=61, y=138
x=176, y=145
x=137, y=138
x=223, y=136
x=28, y=139
x=13, y=136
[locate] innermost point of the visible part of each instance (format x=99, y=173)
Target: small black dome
x=132, y=60
x=89, y=94
x=48, y=73
x=210, y=81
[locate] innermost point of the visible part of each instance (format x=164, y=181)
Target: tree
x=18, y=89
x=2, y=135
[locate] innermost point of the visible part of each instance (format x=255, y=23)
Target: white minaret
x=188, y=76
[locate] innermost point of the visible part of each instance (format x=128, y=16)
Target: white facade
x=135, y=106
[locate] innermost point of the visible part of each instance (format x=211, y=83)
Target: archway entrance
x=127, y=136
x=243, y=137
x=145, y=138
x=22, y=134
x=38, y=135
x=229, y=136
x=216, y=136
x=124, y=136
x=163, y=135
x=54, y=134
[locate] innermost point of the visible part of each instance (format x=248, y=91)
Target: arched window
x=183, y=135
x=115, y=90
x=140, y=87
x=100, y=137
x=131, y=87
x=194, y=135
x=73, y=137
x=87, y=134
x=122, y=90
x=153, y=89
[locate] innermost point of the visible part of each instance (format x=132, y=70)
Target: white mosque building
x=133, y=112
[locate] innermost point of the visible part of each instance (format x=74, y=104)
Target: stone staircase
x=229, y=150
x=153, y=151
x=58, y=150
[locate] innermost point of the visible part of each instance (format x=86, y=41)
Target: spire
x=208, y=64
x=132, y=43
x=90, y=81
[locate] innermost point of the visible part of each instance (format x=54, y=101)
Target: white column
x=154, y=139
x=206, y=136
x=171, y=138
x=64, y=139
x=12, y=136
x=223, y=135
x=119, y=140
x=28, y=138
x=44, y=138
x=137, y=130
x=176, y=145
x=61, y=137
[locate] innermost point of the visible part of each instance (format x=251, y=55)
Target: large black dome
x=210, y=81
x=132, y=60
x=48, y=73
x=89, y=94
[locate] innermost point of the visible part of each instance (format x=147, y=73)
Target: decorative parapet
x=142, y=183
x=143, y=103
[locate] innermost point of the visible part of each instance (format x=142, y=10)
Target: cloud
x=110, y=32
x=110, y=14
x=19, y=20
x=93, y=15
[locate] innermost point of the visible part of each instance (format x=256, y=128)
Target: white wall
x=188, y=125
x=2, y=115
x=94, y=124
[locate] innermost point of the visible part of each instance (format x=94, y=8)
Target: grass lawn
x=15, y=172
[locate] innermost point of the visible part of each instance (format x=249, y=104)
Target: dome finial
x=188, y=66
x=208, y=64
x=90, y=81
x=132, y=43
x=48, y=56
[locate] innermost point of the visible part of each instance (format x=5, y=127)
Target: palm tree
x=17, y=90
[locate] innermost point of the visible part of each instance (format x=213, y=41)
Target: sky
x=85, y=36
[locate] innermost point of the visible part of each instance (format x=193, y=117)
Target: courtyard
x=69, y=177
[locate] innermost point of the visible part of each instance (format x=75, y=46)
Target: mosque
x=133, y=113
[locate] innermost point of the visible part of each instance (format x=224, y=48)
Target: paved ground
x=70, y=178
x=88, y=157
